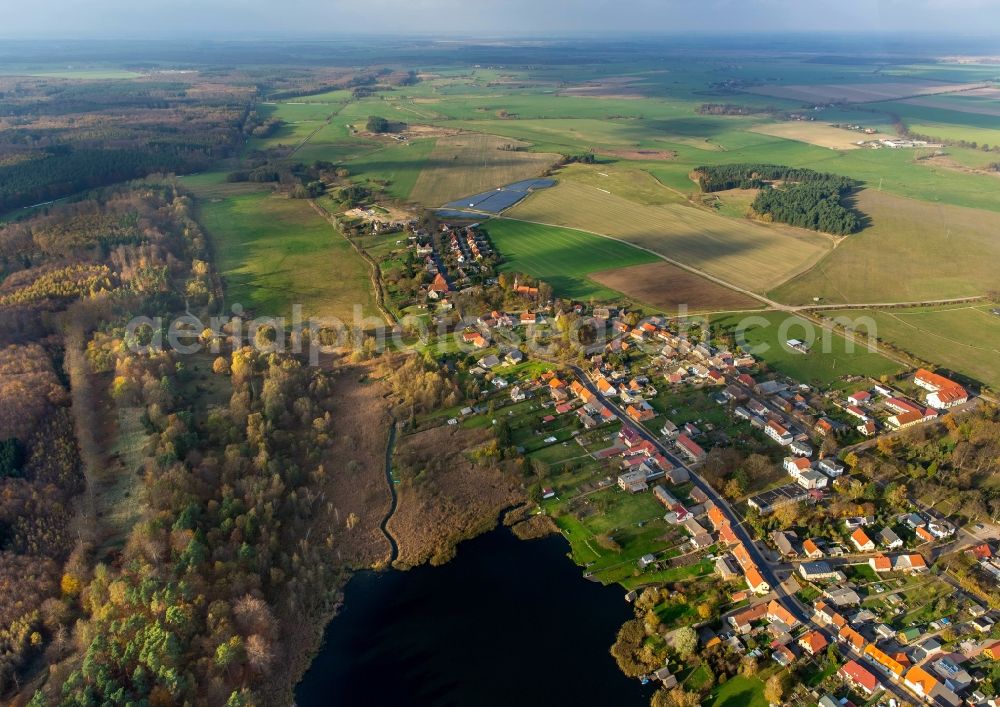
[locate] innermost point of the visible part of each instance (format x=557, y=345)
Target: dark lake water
x=505, y=623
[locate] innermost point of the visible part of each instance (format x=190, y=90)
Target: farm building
x=943, y=392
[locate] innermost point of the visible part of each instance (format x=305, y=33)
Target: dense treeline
x=755, y=176
x=53, y=176
x=60, y=137
x=796, y=196
x=297, y=180
x=207, y=594
x=731, y=109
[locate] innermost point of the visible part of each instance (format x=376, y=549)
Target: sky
x=241, y=19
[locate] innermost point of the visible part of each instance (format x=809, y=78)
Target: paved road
x=767, y=569
x=789, y=601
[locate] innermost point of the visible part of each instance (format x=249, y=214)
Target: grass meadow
x=749, y=254
x=913, y=251
x=769, y=330
x=470, y=163
x=275, y=252
x=962, y=338
x=563, y=257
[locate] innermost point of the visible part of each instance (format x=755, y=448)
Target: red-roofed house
x=776, y=612
x=892, y=666
x=981, y=552
x=862, y=541
x=859, y=398
x=944, y=392
x=948, y=398
x=880, y=563
x=728, y=535
x=742, y=556
x=910, y=563
x=640, y=412
x=811, y=549
x=756, y=582
x=857, y=412
x=900, y=405
x=439, y=285
x=905, y=419
x=852, y=638
x=778, y=433
x=689, y=448
x=920, y=681
x=717, y=518
x=742, y=621
x=813, y=642
x=796, y=465
x=859, y=677
x=992, y=651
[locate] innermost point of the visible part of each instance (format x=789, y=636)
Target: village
x=621, y=435
x=855, y=582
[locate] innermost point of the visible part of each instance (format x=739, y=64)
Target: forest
x=64, y=270
x=796, y=196
x=60, y=137
x=209, y=590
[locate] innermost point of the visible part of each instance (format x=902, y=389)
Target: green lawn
x=616, y=514
x=961, y=337
x=399, y=164
x=275, y=252
x=827, y=362
x=738, y=691
x=673, y=574
x=562, y=257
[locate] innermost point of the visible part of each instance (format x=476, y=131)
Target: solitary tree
x=775, y=688
x=685, y=642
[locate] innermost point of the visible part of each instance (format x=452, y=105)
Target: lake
x=506, y=622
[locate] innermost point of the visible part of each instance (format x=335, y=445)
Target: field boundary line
x=375, y=272
x=684, y=266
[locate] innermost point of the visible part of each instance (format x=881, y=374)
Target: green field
x=275, y=252
x=913, y=251
x=738, y=691
x=399, y=163
x=751, y=255
x=962, y=338
x=469, y=163
x=562, y=257
x=826, y=364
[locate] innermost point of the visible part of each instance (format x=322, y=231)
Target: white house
x=812, y=479
x=796, y=465
x=831, y=467
x=778, y=433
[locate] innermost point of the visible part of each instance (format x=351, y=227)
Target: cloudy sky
x=249, y=18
